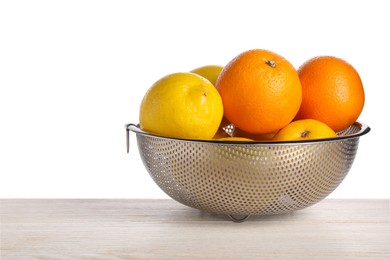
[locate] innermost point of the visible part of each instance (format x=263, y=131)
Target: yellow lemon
x=258, y=137
x=210, y=72
x=182, y=105
x=304, y=129
x=236, y=139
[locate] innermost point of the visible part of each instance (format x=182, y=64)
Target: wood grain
x=164, y=229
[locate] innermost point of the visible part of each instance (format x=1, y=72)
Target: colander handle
x=128, y=127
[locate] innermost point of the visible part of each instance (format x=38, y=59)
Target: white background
x=72, y=73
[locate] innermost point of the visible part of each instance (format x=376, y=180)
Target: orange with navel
x=260, y=91
x=305, y=129
x=332, y=92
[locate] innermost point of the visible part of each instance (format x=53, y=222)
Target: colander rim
x=364, y=129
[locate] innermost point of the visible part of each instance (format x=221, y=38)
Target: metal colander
x=243, y=179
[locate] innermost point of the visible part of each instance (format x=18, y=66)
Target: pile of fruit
x=261, y=94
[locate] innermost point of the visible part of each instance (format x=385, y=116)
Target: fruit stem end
x=305, y=134
x=271, y=63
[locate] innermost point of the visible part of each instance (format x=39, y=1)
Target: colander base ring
x=238, y=218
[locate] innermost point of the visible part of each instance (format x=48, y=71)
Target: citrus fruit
x=332, y=92
x=260, y=91
x=210, y=72
x=181, y=105
x=304, y=129
x=258, y=137
x=235, y=139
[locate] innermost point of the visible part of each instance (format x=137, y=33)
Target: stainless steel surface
x=259, y=178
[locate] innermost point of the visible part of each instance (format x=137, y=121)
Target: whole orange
x=304, y=129
x=332, y=92
x=260, y=91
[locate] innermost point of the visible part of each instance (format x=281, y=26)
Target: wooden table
x=164, y=229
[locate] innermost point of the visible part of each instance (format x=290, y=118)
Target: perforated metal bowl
x=241, y=178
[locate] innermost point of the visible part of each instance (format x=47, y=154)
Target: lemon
x=304, y=129
x=182, y=105
x=236, y=139
x=210, y=72
x=258, y=137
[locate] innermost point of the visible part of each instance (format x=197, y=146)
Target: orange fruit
x=304, y=129
x=332, y=92
x=260, y=91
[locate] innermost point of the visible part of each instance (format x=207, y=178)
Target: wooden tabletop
x=164, y=229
